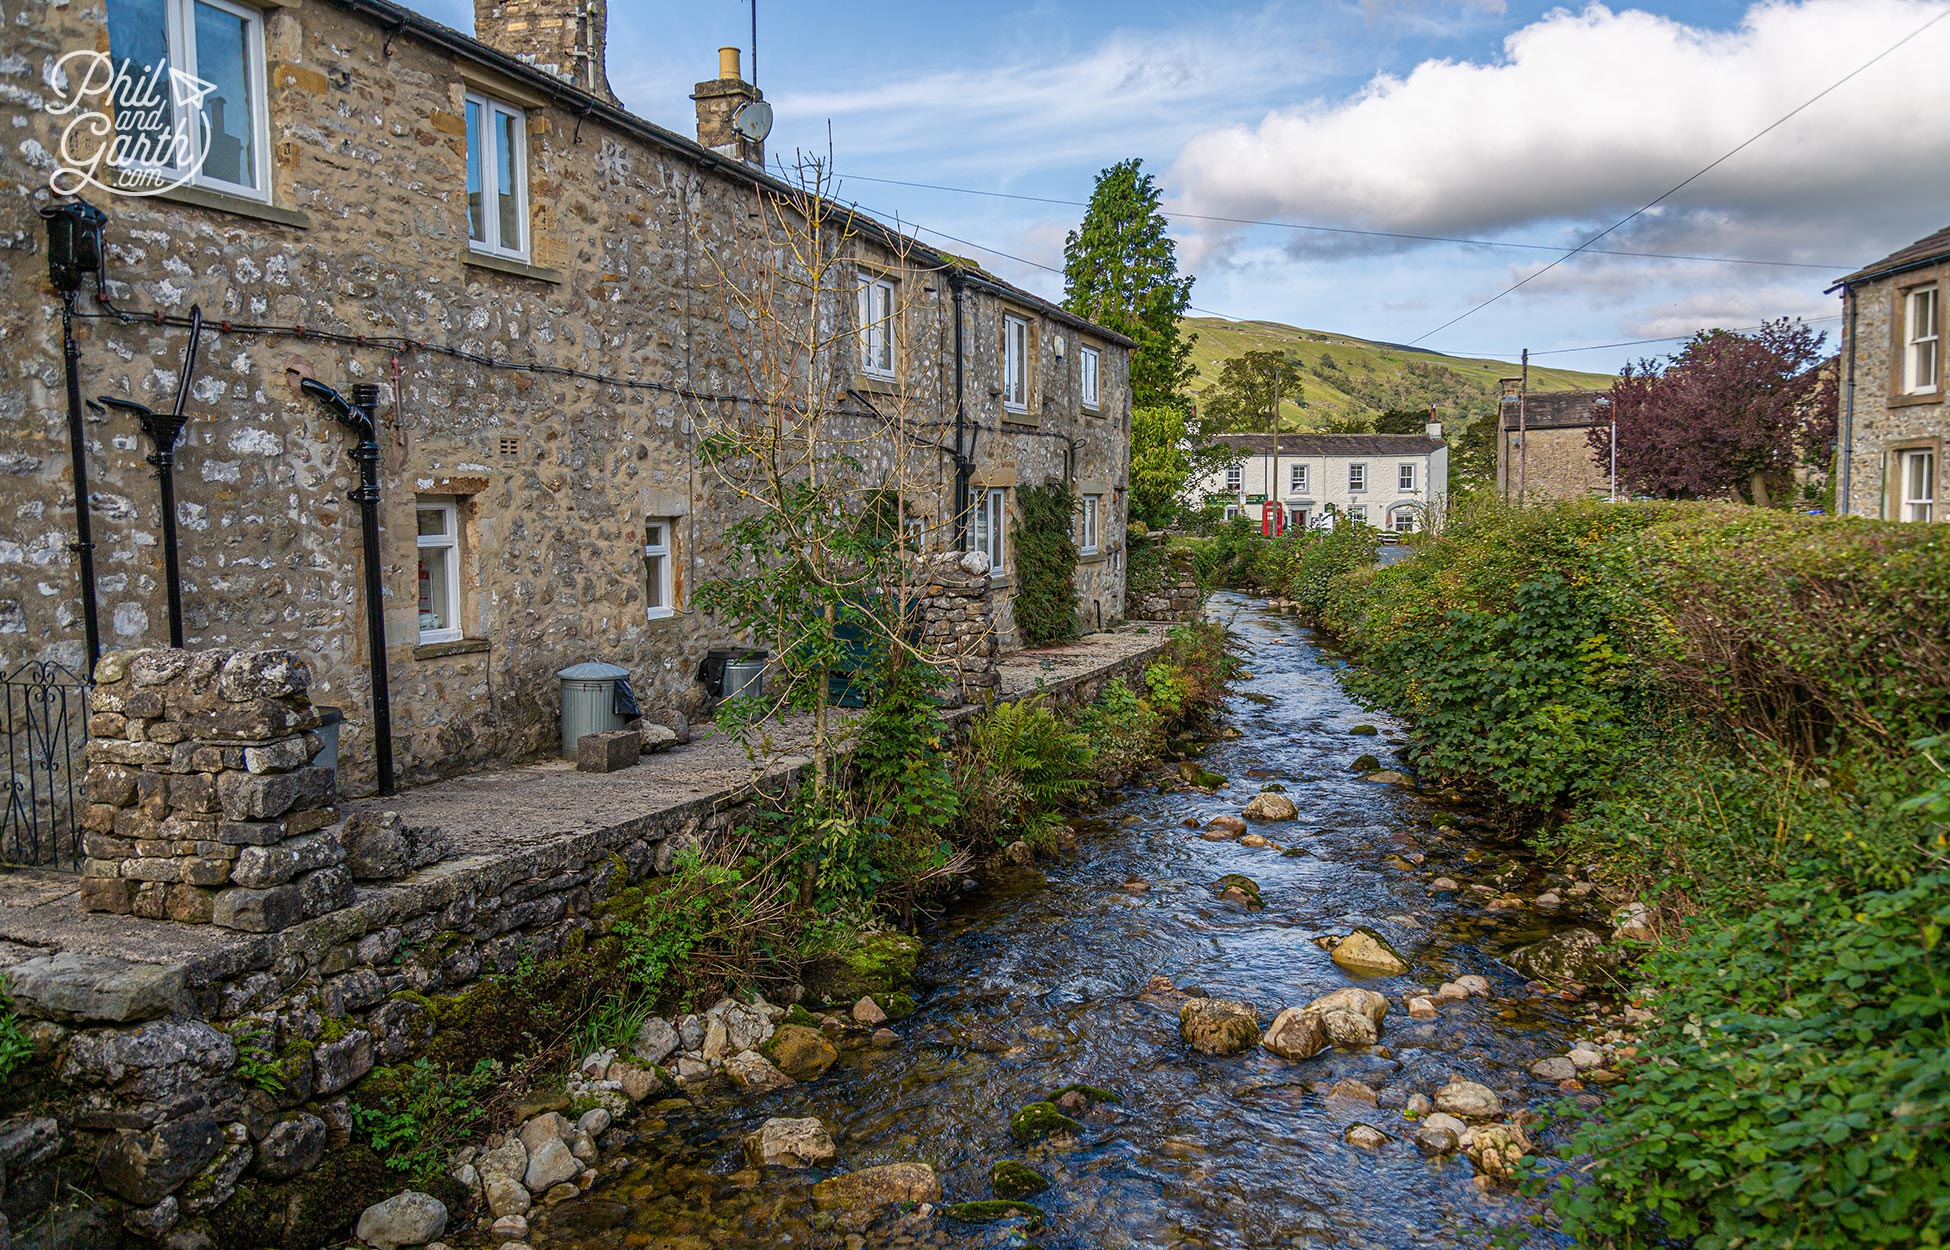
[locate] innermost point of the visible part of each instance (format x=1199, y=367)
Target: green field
x=1348, y=377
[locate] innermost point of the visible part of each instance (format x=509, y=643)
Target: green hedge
x=1046, y=605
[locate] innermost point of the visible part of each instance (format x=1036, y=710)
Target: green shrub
x=15, y=1047
x=1122, y=733
x=1045, y=559
x=415, y=1115
x=1022, y=767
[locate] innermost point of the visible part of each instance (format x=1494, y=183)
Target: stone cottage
x=1895, y=417
x=1543, y=445
x=522, y=288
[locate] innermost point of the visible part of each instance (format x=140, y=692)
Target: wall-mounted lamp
x=74, y=244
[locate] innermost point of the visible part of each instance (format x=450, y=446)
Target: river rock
x=548, y=1126
x=1366, y=953
x=1225, y=826
x=1012, y=1181
x=1362, y=1002
x=867, y=1013
x=1443, y=1120
x=1474, y=986
x=1496, y=1151
x=873, y=1188
x=1270, y=808
x=506, y=1195
x=784, y=1143
x=1633, y=923
x=1389, y=776
x=655, y=1040
x=509, y=1159
x=1421, y=1008
x=1577, y=955
x=1554, y=1069
x=1218, y=1026
x=1296, y=1033
x=549, y=1164
x=408, y=1219
x=1468, y=1100
x=1418, y=1105
x=1434, y=1141
x=1443, y=885
x=1351, y=1090
x=509, y=1227
x=800, y=1051
x=752, y=1072
x=1366, y=1136
x=1584, y=1058
x=595, y=1121
x=746, y=1025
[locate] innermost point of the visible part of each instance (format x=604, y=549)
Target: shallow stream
x=1038, y=981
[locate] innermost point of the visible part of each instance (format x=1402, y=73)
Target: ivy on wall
x=1047, y=609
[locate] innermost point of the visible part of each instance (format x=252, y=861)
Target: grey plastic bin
x=590, y=702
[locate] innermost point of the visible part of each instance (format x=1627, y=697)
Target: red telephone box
x=1272, y=519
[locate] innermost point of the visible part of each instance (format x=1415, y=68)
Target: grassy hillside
x=1348, y=377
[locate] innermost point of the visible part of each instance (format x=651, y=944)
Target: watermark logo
x=131, y=130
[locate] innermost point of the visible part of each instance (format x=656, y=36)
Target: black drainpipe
x=962, y=463
x=358, y=416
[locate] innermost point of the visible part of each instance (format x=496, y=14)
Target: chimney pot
x=718, y=101
x=728, y=64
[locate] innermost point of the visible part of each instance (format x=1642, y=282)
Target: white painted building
x=1390, y=481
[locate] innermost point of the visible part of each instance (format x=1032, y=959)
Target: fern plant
x=1024, y=765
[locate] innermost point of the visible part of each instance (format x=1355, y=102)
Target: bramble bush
x=1736, y=715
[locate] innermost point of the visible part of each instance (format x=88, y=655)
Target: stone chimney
x=1433, y=429
x=565, y=37
x=718, y=101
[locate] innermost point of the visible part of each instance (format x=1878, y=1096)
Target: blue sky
x=1470, y=119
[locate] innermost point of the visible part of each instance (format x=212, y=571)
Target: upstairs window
x=1090, y=364
x=1297, y=479
x=1235, y=478
x=439, y=542
x=223, y=144
x=1357, y=477
x=497, y=178
x=1918, y=482
x=877, y=327
x=1087, y=539
x=1405, y=477
x=1015, y=364
x=1920, y=341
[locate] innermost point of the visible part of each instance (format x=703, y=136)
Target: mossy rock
x=1237, y=881
x=1272, y=787
x=1202, y=778
x=897, y=1005
x=1012, y=1180
x=994, y=1210
x=314, y=1209
x=875, y=965
x=796, y=1014
x=1366, y=764
x=1364, y=731
x=1039, y=1120
x=1094, y=1096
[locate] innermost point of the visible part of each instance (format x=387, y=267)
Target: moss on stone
x=1364, y=731
x=796, y=1014
x=1094, y=1096
x=870, y=964
x=1039, y=1120
x=1011, y=1180
x=991, y=1210
x=331, y=1029
x=1367, y=764
x=308, y=1211
x=897, y=1005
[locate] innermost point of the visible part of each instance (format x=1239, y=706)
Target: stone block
x=106, y=846
x=116, y=751
x=194, y=794
x=100, y=817
x=107, y=894
x=190, y=904
x=339, y=1063
x=255, y=721
x=151, y=900
x=608, y=751
x=112, y=784
x=267, y=674
x=250, y=832
x=261, y=867
x=92, y=989
x=146, y=1167
x=252, y=796
x=198, y=870
x=153, y=869
x=258, y=911
x=279, y=756
x=325, y=890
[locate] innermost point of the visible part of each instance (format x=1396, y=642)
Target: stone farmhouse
x=523, y=287
x=1543, y=448
x=1394, y=482
x=1895, y=416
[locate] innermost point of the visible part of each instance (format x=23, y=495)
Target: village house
x=1394, y=482
x=1895, y=416
x=522, y=287
x=1543, y=444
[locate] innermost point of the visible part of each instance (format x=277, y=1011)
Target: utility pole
x=1523, y=432
x=1273, y=487
x=1614, y=456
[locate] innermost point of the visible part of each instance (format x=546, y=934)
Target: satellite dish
x=753, y=120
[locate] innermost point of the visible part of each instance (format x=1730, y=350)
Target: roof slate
x=1926, y=249
x=1334, y=444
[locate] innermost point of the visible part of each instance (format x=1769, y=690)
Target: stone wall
x=553, y=478
x=1559, y=465
x=1176, y=597
x=958, y=624
x=1885, y=420
x=203, y=804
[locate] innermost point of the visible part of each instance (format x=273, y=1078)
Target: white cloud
x=1587, y=115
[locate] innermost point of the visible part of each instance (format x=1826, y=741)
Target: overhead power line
x=1350, y=230
x=1776, y=124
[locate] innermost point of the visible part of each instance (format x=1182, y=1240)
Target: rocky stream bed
x=1082, y=984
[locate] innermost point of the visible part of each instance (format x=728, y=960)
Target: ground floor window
x=991, y=513
x=659, y=580
x=1917, y=479
x=1087, y=544
x=1358, y=512
x=439, y=542
x=1301, y=517
x=1404, y=520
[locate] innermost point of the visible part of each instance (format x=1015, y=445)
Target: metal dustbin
x=730, y=671
x=330, y=721
x=595, y=697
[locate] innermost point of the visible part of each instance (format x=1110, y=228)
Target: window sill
x=1014, y=416
x=459, y=646
x=514, y=268
x=660, y=614
x=1091, y=410
x=237, y=206
x=1916, y=400
x=1093, y=557
x=1001, y=581
x=875, y=385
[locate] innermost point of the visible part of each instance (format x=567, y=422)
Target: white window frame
x=1405, y=477
x=877, y=329
x=1092, y=506
x=1015, y=363
x=1404, y=520
x=1235, y=478
x=1296, y=476
x=449, y=539
x=1358, y=513
x=915, y=531
x=990, y=531
x=1922, y=321
x=492, y=244
x=1090, y=377
x=1357, y=477
x=180, y=39
x=1919, y=506
x=660, y=575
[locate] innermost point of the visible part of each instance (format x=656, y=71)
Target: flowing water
x=1038, y=981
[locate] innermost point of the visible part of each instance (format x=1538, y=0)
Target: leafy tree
x=1242, y=396
x=1120, y=270
x=1729, y=415
x=1354, y=424
x=1168, y=458
x=1472, y=453
x=1402, y=421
